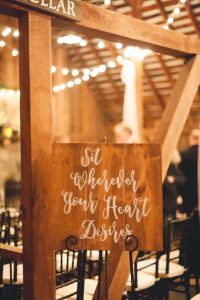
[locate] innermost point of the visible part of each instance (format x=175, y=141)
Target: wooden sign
x=70, y=9
x=106, y=196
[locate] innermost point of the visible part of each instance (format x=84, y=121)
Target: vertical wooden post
x=36, y=126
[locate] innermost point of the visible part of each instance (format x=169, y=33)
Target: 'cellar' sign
x=106, y=196
x=69, y=9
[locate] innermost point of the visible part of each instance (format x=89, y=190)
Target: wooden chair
x=173, y=263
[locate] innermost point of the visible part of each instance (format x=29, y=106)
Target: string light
x=107, y=2
x=16, y=33
x=101, y=45
x=6, y=31
x=75, y=72
x=2, y=44
x=70, y=84
x=15, y=52
x=118, y=46
x=65, y=71
x=85, y=77
x=175, y=13
x=111, y=64
x=53, y=69
x=77, y=81
x=83, y=43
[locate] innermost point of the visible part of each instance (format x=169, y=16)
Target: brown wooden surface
x=67, y=9
x=11, y=252
x=177, y=110
x=143, y=196
x=96, y=21
x=35, y=91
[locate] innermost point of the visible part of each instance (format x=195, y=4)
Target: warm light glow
x=6, y=31
x=15, y=52
x=170, y=20
x=69, y=39
x=2, y=44
x=75, y=72
x=101, y=45
x=120, y=60
x=56, y=89
x=53, y=69
x=83, y=43
x=7, y=132
x=177, y=11
x=65, y=71
x=86, y=71
x=118, y=46
x=16, y=33
x=102, y=68
x=70, y=84
x=85, y=77
x=111, y=64
x=183, y=1
x=107, y=2
x=62, y=86
x=166, y=27
x=77, y=81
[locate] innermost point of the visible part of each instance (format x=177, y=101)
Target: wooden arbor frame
x=36, y=125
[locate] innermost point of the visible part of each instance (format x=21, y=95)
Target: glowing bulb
x=69, y=39
x=107, y=2
x=53, y=69
x=83, y=43
x=102, y=68
x=166, y=26
x=111, y=64
x=120, y=60
x=56, y=89
x=65, y=71
x=70, y=84
x=16, y=33
x=177, y=11
x=62, y=86
x=183, y=1
x=15, y=52
x=2, y=44
x=101, y=45
x=75, y=72
x=86, y=71
x=6, y=31
x=77, y=81
x=85, y=77
x=118, y=46
x=7, y=132
x=170, y=20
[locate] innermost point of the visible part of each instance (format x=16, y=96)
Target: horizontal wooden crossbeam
x=11, y=252
x=106, y=24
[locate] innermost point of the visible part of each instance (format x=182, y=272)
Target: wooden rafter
x=193, y=19
x=158, y=97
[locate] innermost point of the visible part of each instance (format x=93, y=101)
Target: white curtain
x=130, y=111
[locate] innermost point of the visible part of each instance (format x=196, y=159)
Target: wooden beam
x=158, y=97
x=178, y=109
x=95, y=21
x=36, y=139
x=192, y=17
x=167, y=135
x=11, y=252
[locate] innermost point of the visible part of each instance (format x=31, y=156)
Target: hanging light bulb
x=53, y=69
x=77, y=81
x=176, y=11
x=6, y=31
x=15, y=52
x=183, y=1
x=170, y=20
x=83, y=43
x=107, y=2
x=2, y=44
x=118, y=46
x=85, y=77
x=16, y=33
x=70, y=84
x=75, y=72
x=101, y=45
x=56, y=89
x=65, y=71
x=111, y=64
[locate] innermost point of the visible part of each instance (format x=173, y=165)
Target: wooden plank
x=36, y=126
x=178, y=109
x=68, y=9
x=102, y=193
x=11, y=252
x=95, y=21
x=167, y=135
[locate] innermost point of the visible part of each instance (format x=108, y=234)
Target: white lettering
x=70, y=10
x=62, y=6
x=44, y=4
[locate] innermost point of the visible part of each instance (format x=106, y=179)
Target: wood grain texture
x=96, y=21
x=101, y=201
x=36, y=126
x=11, y=252
x=177, y=110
